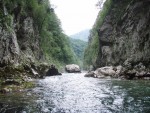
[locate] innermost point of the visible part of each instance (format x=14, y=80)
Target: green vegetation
x=53, y=42
x=79, y=48
x=91, y=52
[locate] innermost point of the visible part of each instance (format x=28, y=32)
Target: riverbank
x=127, y=71
x=17, y=78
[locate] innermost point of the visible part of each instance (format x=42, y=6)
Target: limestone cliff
x=19, y=41
x=30, y=34
x=126, y=36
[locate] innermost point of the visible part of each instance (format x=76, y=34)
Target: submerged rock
x=72, y=68
x=53, y=71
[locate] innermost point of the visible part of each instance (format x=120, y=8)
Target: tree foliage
x=54, y=43
x=78, y=48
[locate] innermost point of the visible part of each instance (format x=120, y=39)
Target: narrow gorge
x=41, y=67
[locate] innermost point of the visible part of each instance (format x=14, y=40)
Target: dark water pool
x=73, y=93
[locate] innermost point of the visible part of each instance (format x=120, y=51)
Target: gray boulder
x=72, y=68
x=105, y=71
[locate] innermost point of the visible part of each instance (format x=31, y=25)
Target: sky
x=75, y=15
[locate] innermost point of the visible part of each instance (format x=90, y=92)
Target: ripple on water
x=73, y=93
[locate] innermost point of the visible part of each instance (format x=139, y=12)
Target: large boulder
x=53, y=71
x=103, y=72
x=72, y=68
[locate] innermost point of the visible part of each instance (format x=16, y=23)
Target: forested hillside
x=78, y=48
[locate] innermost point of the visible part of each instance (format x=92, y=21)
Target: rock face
x=19, y=42
x=124, y=36
x=16, y=45
x=72, y=68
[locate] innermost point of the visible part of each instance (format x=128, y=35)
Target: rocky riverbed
x=122, y=72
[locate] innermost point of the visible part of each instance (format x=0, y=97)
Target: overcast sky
x=76, y=15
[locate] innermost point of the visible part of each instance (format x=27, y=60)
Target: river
x=74, y=93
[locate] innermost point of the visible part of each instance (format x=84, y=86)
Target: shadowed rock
x=53, y=71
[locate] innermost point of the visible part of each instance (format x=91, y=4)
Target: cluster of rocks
x=108, y=71
x=123, y=72
x=138, y=71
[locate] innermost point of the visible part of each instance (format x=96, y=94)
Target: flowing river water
x=74, y=93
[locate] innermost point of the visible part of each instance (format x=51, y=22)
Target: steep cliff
x=124, y=36
x=30, y=34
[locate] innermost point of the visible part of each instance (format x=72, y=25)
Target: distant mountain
x=83, y=35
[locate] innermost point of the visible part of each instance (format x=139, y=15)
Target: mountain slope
x=83, y=35
x=78, y=47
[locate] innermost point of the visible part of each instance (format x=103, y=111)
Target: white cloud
x=76, y=15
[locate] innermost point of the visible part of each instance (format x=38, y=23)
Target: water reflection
x=73, y=93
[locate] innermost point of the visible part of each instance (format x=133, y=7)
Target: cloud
x=76, y=15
